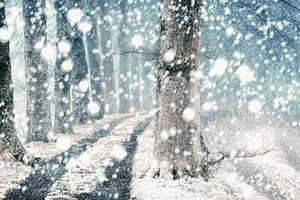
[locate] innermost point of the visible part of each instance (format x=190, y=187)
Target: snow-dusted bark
x=135, y=83
x=38, y=106
x=80, y=80
x=177, y=134
x=94, y=55
x=107, y=54
x=63, y=111
x=123, y=68
x=9, y=141
x=148, y=89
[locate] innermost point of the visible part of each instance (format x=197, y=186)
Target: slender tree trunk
x=135, y=84
x=123, y=67
x=108, y=64
x=38, y=108
x=177, y=136
x=95, y=63
x=9, y=142
x=148, y=89
x=63, y=113
x=80, y=72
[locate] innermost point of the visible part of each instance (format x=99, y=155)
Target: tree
x=93, y=46
x=95, y=63
x=9, y=141
x=177, y=131
x=123, y=68
x=63, y=69
x=38, y=108
x=108, y=63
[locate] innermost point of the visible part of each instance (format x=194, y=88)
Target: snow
x=84, y=85
x=5, y=34
x=48, y=53
x=219, y=67
x=164, y=135
x=64, y=46
x=245, y=74
x=240, y=178
x=93, y=108
x=63, y=143
x=255, y=106
x=209, y=105
x=170, y=55
x=137, y=41
x=189, y=114
x=118, y=152
x=229, y=31
x=75, y=15
x=85, y=27
x=67, y=65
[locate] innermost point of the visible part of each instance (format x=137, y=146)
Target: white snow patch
x=118, y=152
x=254, y=106
x=169, y=55
x=63, y=143
x=48, y=53
x=67, y=65
x=164, y=135
x=245, y=74
x=83, y=85
x=64, y=46
x=229, y=31
x=209, y=105
x=5, y=34
x=85, y=27
x=219, y=67
x=188, y=114
x=75, y=15
x=137, y=41
x=93, y=108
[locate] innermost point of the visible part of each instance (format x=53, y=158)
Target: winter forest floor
x=111, y=158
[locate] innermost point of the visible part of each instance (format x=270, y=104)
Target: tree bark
x=177, y=137
x=80, y=72
x=135, y=82
x=94, y=50
x=148, y=88
x=9, y=142
x=63, y=112
x=107, y=57
x=123, y=68
x=38, y=106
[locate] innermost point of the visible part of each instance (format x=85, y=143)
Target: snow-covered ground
x=116, y=163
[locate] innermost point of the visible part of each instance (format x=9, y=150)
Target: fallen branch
x=212, y=160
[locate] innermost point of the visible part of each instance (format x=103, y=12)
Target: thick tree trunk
x=63, y=112
x=38, y=108
x=108, y=64
x=123, y=67
x=177, y=136
x=9, y=142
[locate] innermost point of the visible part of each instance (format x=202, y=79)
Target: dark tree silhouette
x=9, y=142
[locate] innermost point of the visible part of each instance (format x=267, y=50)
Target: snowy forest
x=150, y=99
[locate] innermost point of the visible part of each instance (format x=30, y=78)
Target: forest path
x=111, y=158
x=37, y=184
x=104, y=170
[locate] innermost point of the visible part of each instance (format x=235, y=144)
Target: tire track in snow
x=36, y=186
x=119, y=174
x=86, y=171
x=257, y=178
